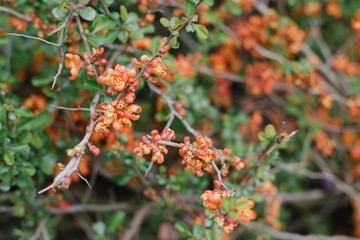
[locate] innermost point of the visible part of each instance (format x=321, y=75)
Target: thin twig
x=135, y=224
x=16, y=14
x=71, y=109
x=31, y=37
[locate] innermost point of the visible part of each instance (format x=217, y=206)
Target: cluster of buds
x=197, y=155
x=151, y=145
x=179, y=107
x=117, y=114
x=119, y=78
x=76, y=151
x=100, y=62
x=95, y=150
x=235, y=161
x=155, y=67
x=227, y=211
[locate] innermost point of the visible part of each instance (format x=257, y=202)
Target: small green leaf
x=270, y=131
x=122, y=179
x=190, y=8
x=190, y=28
x=262, y=136
x=3, y=134
x=20, y=147
x=108, y=2
x=23, y=112
x=101, y=23
x=198, y=231
x=115, y=221
x=201, y=31
x=43, y=119
x=234, y=215
x=209, y=234
x=9, y=158
x=173, y=21
x=165, y=22
x=241, y=204
x=91, y=85
x=183, y=229
x=58, y=13
x=226, y=203
x=178, y=23
x=155, y=44
x=123, y=13
x=208, y=2
x=99, y=228
x=174, y=43
x=97, y=40
x=36, y=142
x=40, y=80
x=87, y=13
x=30, y=170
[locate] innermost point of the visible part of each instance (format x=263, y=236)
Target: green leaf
x=174, y=43
x=198, y=232
x=30, y=170
x=208, y=2
x=155, y=44
x=20, y=147
x=99, y=228
x=41, y=120
x=241, y=204
x=97, y=40
x=270, y=131
x=3, y=135
x=87, y=13
x=101, y=23
x=209, y=234
x=40, y=80
x=108, y=2
x=173, y=21
x=201, y=31
x=91, y=85
x=23, y=112
x=226, y=204
x=3, y=40
x=165, y=22
x=9, y=158
x=115, y=221
x=123, y=13
x=36, y=142
x=122, y=179
x=234, y=215
x=178, y=23
x=58, y=13
x=190, y=28
x=190, y=8
x=183, y=229
x=262, y=136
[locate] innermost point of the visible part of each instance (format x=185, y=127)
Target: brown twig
x=135, y=224
x=16, y=14
x=71, y=109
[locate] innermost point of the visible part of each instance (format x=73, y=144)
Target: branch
x=71, y=109
x=16, y=14
x=74, y=162
x=291, y=236
x=77, y=208
x=135, y=224
x=36, y=38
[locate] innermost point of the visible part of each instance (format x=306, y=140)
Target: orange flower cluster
x=354, y=109
x=119, y=78
x=324, y=143
x=342, y=63
x=235, y=161
x=117, y=114
x=150, y=145
x=17, y=23
x=333, y=9
x=273, y=204
x=240, y=208
x=154, y=67
x=100, y=63
x=261, y=78
x=197, y=155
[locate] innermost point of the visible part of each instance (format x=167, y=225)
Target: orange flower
x=73, y=61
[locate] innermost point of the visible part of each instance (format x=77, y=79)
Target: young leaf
x=201, y=31
x=87, y=13
x=123, y=13
x=190, y=8
x=183, y=229
x=165, y=22
x=9, y=158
